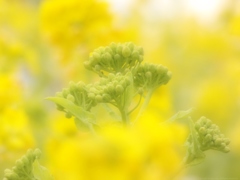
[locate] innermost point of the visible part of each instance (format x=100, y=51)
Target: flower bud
x=226, y=149
x=24, y=159
x=19, y=163
x=135, y=55
x=87, y=65
x=148, y=74
x=223, y=145
x=72, y=85
x=140, y=59
x=7, y=171
x=126, y=52
x=119, y=49
x=130, y=46
x=97, y=67
x=98, y=98
x=11, y=175
x=197, y=125
x=108, y=50
x=202, y=130
x=59, y=94
x=119, y=89
x=111, y=76
x=80, y=85
x=37, y=153
x=96, y=56
x=113, y=46
x=106, y=97
x=227, y=141
x=218, y=141
x=107, y=57
x=208, y=137
x=65, y=92
x=208, y=123
x=91, y=95
x=100, y=49
x=117, y=57
x=70, y=98
x=140, y=50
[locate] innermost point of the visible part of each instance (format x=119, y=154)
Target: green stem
x=145, y=104
x=136, y=105
x=124, y=115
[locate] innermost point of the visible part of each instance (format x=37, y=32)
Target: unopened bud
x=197, y=125
x=119, y=49
x=106, y=97
x=91, y=95
x=227, y=141
x=97, y=68
x=126, y=52
x=226, y=149
x=107, y=57
x=80, y=85
x=113, y=46
x=117, y=57
x=96, y=56
x=202, y=130
x=131, y=46
x=24, y=159
x=119, y=89
x=218, y=141
x=208, y=137
x=59, y=94
x=98, y=98
x=37, y=153
x=87, y=65
x=148, y=74
x=70, y=98
x=135, y=55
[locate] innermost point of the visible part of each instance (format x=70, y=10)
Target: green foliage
x=28, y=168
x=204, y=135
x=122, y=78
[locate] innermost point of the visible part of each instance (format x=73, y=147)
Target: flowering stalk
x=28, y=168
x=122, y=77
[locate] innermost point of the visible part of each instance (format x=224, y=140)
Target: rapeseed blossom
x=147, y=151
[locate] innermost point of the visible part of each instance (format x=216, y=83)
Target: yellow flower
x=147, y=151
x=70, y=24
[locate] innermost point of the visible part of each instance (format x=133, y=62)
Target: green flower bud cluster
x=109, y=89
x=119, y=66
x=151, y=76
x=23, y=169
x=78, y=94
x=210, y=137
x=115, y=58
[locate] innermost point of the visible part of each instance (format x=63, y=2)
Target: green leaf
x=111, y=112
x=180, y=115
x=82, y=115
x=40, y=172
x=195, y=155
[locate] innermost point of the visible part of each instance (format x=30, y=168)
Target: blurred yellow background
x=43, y=45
